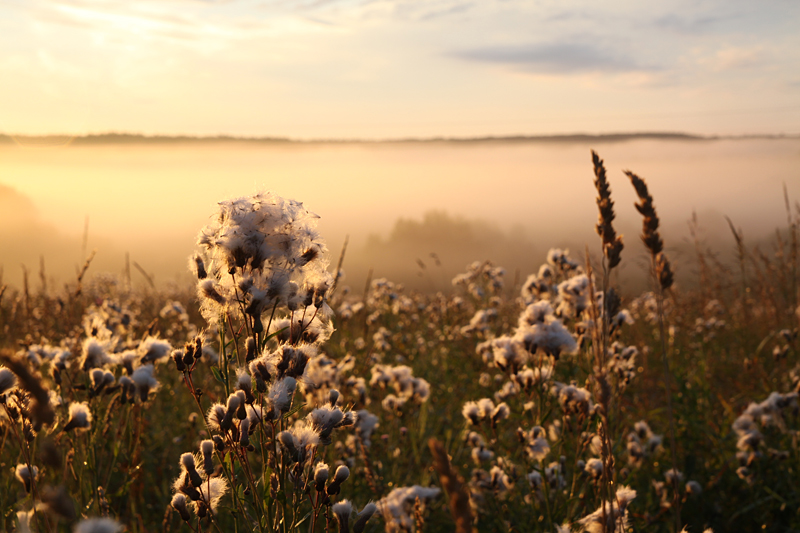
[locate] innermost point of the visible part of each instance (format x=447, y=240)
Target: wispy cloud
x=555, y=58
x=690, y=25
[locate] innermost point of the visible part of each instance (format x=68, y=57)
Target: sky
x=377, y=69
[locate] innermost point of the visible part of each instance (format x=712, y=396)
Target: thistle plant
x=478, y=408
x=263, y=285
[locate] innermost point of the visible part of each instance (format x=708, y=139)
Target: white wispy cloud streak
x=319, y=67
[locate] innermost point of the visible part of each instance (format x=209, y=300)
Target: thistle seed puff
x=98, y=525
x=364, y=516
x=144, y=381
x=80, y=417
x=215, y=416
x=179, y=504
x=320, y=476
x=241, y=411
x=268, y=243
x=188, y=464
x=207, y=449
x=341, y=475
x=23, y=474
x=342, y=511
x=244, y=433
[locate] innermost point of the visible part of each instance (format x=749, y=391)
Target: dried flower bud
x=244, y=432
x=187, y=462
x=320, y=476
x=252, y=350
x=364, y=516
x=177, y=357
x=341, y=475
x=201, y=268
x=179, y=504
x=207, y=449
x=342, y=512
x=80, y=417
x=23, y=474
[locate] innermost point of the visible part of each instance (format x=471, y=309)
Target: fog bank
x=508, y=202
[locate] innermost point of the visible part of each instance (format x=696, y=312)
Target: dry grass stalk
x=82, y=273
x=419, y=519
x=612, y=249
x=612, y=243
x=453, y=485
x=339, y=267
x=662, y=274
x=144, y=273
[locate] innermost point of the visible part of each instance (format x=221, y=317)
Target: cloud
x=456, y=9
x=555, y=58
x=696, y=25
x=738, y=58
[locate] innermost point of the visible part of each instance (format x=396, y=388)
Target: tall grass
x=263, y=400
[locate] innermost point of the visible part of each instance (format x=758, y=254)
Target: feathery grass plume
x=650, y=235
x=662, y=274
x=612, y=243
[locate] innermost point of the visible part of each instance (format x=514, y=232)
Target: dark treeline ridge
x=136, y=138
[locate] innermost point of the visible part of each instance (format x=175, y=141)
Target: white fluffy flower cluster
x=260, y=252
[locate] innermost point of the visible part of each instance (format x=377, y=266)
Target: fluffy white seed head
x=80, y=417
x=98, y=525
x=7, y=379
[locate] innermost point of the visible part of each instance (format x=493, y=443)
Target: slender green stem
x=668, y=391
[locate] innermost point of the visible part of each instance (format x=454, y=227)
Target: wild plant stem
x=668, y=391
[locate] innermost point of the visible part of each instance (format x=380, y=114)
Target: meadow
x=272, y=396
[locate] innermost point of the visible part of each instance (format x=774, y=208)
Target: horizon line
x=112, y=137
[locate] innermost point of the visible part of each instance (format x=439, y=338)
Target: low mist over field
x=505, y=201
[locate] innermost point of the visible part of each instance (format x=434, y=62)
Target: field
x=273, y=397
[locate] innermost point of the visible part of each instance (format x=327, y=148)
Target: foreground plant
x=263, y=285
